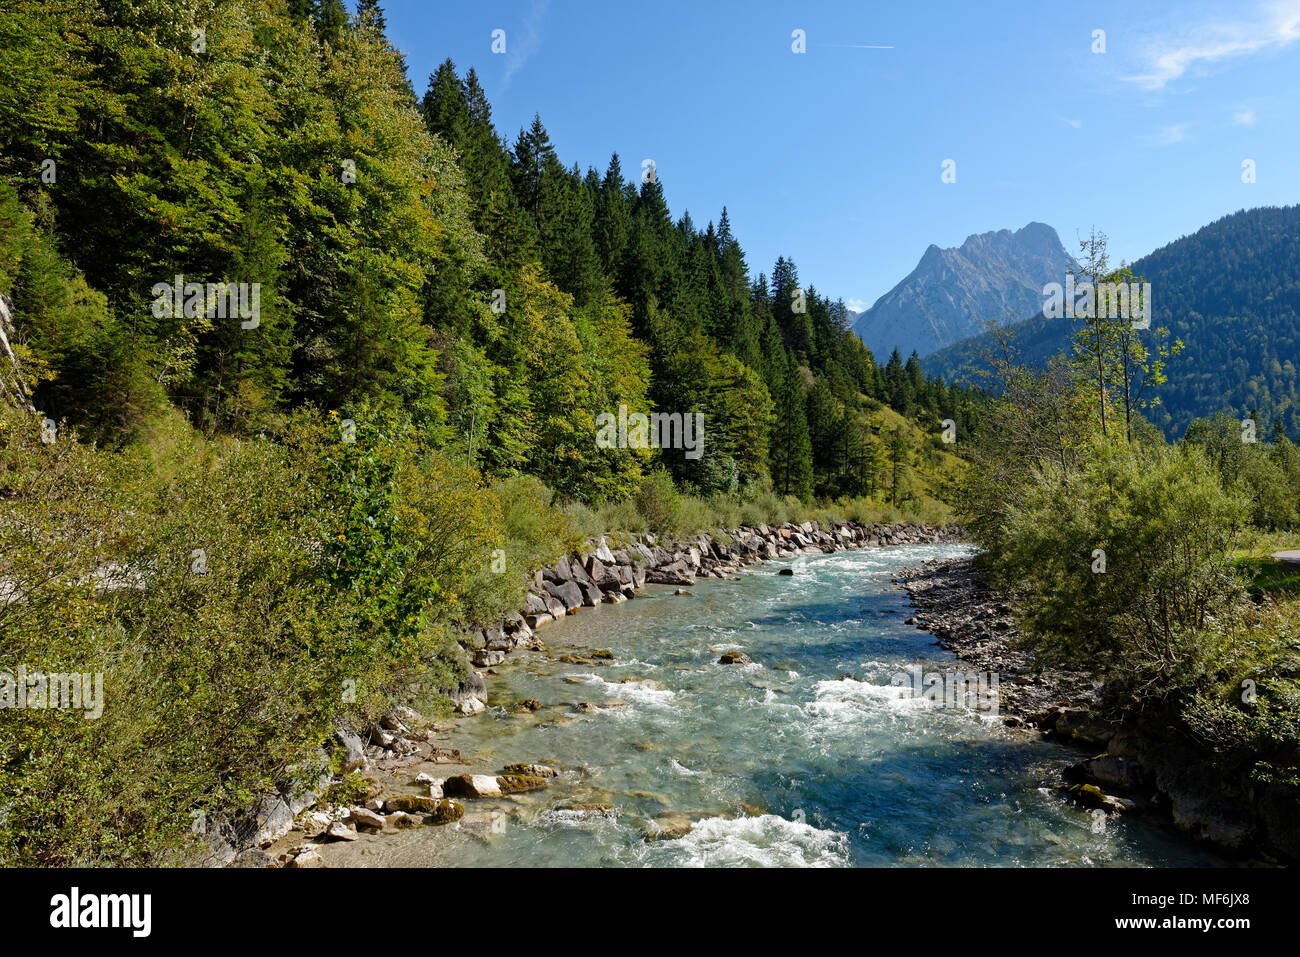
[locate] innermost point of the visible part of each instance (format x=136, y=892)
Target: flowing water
x=781, y=762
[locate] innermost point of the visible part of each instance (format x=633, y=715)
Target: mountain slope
x=992, y=276
x=1231, y=293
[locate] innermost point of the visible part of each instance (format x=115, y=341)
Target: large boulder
x=273, y=819
x=674, y=573
x=554, y=607
x=471, y=695
x=568, y=593
x=1113, y=774
x=472, y=786
x=603, y=575
x=351, y=750
x=591, y=595
x=496, y=640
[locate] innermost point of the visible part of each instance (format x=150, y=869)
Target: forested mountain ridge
x=944, y=299
x=1230, y=292
x=407, y=256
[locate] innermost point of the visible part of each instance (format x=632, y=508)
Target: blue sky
x=833, y=156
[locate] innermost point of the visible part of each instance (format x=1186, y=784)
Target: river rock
x=672, y=573
x=254, y=858
x=1091, y=796
x=271, y=820
x=365, y=819
x=1111, y=773
x=1082, y=725
x=411, y=803
x=471, y=695
x=603, y=575
x=307, y=857
x=518, y=783
x=351, y=749
x=734, y=658
x=591, y=595
x=339, y=831
x=531, y=770
x=471, y=785
x=568, y=593
x=484, y=658
x=668, y=826
x=446, y=812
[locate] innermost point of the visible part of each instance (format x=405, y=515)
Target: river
x=800, y=766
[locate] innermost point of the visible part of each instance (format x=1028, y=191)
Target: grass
x=1264, y=574
x=1268, y=576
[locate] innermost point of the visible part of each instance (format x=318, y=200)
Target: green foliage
x=1125, y=565
x=470, y=310
x=1228, y=294
x=238, y=598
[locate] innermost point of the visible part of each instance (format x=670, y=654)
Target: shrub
x=1159, y=524
x=238, y=598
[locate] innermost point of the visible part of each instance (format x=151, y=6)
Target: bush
x=1125, y=567
x=659, y=502
x=238, y=599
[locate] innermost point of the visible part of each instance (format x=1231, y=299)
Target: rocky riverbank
x=1137, y=765
x=411, y=775
x=954, y=604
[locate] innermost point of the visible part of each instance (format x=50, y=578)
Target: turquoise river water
x=800, y=766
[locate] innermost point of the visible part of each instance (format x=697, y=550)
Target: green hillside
x=1230, y=293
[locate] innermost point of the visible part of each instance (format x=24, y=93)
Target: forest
x=303, y=375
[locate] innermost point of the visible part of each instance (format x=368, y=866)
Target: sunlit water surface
x=800, y=767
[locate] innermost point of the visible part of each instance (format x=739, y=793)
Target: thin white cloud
x=1244, y=118
x=856, y=304
x=1169, y=135
x=1077, y=124
x=1273, y=26
x=524, y=41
